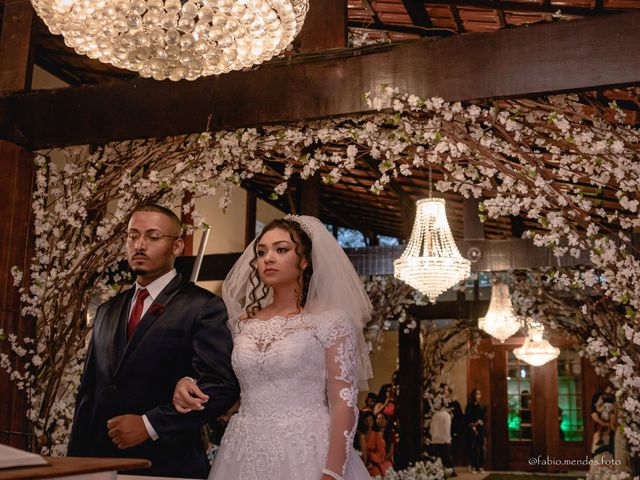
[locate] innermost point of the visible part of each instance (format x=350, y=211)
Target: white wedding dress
x=298, y=412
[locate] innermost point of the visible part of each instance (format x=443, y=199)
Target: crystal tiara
x=298, y=219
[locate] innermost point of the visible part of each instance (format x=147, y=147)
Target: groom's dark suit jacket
x=183, y=333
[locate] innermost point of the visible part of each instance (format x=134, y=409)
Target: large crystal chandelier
x=175, y=39
x=500, y=321
x=431, y=263
x=536, y=350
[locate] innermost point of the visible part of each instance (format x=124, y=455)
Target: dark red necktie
x=136, y=313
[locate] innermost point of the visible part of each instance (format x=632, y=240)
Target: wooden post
x=308, y=196
x=187, y=219
x=408, y=207
x=518, y=227
x=325, y=26
x=495, y=398
x=544, y=398
x=250, y=217
x=16, y=243
x=410, y=414
x=16, y=64
x=372, y=239
x=473, y=227
x=479, y=367
x=16, y=249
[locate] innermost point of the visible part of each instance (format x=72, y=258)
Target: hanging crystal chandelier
x=536, y=350
x=175, y=39
x=500, y=321
x=431, y=263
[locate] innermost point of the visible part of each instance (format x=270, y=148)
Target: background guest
x=375, y=450
x=386, y=401
x=440, y=431
x=389, y=435
x=369, y=403
x=475, y=416
x=458, y=444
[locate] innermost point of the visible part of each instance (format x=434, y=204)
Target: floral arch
x=552, y=160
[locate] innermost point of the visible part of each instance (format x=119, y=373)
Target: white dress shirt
x=154, y=289
x=440, y=427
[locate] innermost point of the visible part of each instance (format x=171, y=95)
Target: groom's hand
x=127, y=431
x=187, y=396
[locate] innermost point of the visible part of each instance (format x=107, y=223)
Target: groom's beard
x=139, y=270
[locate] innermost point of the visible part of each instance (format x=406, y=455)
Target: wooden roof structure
x=383, y=21
x=403, y=19
x=457, y=49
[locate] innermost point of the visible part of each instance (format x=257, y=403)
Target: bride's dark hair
x=302, y=242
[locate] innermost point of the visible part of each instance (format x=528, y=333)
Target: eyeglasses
x=150, y=237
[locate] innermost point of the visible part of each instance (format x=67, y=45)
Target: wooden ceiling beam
x=83, y=72
x=367, y=211
x=455, y=14
x=345, y=217
x=516, y=6
x=392, y=209
x=349, y=185
x=364, y=210
x=501, y=18
x=389, y=27
x=563, y=56
x=367, y=6
x=417, y=12
x=452, y=309
x=57, y=69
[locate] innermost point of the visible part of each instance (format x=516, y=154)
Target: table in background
x=76, y=468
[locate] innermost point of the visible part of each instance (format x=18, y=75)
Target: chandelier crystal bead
x=175, y=39
x=536, y=350
x=431, y=263
x=500, y=321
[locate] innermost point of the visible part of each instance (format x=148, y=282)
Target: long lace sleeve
x=342, y=394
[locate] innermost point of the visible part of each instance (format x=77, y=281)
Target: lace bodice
x=293, y=371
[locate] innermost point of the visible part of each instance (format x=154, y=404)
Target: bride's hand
x=187, y=396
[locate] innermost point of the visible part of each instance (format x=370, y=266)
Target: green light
x=513, y=421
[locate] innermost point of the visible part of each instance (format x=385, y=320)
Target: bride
x=296, y=309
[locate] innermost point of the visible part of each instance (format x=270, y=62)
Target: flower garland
x=419, y=471
x=391, y=299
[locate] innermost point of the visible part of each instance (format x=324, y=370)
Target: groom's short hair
x=152, y=207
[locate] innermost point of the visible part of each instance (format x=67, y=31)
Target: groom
x=144, y=340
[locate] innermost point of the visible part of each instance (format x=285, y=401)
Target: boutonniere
x=156, y=309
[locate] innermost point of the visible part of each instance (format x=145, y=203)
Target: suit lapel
x=118, y=339
x=154, y=311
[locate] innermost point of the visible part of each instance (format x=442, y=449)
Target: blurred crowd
x=377, y=435
x=453, y=436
